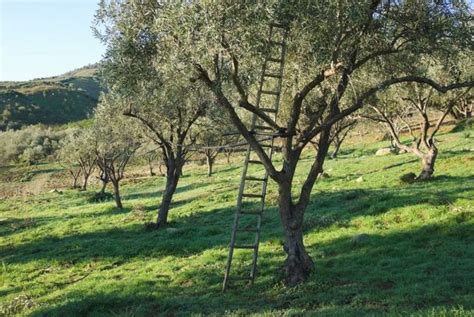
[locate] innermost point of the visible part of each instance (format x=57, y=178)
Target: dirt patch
x=15, y=184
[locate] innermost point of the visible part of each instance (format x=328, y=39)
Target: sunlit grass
x=380, y=246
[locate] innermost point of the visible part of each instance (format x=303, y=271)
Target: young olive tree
x=151, y=156
x=210, y=143
x=166, y=108
x=463, y=108
x=339, y=132
x=214, y=136
x=168, y=120
x=69, y=163
x=421, y=111
x=332, y=45
x=234, y=145
x=78, y=155
x=114, y=142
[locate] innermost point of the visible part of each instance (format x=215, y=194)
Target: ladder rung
x=255, y=212
x=255, y=162
x=276, y=43
x=252, y=178
x=275, y=60
x=279, y=25
x=268, y=109
x=239, y=278
x=268, y=92
x=272, y=75
x=264, y=133
x=245, y=246
x=262, y=127
x=248, y=229
x=252, y=195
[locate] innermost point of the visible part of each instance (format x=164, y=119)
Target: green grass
x=61, y=256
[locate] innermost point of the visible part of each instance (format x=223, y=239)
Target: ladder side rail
x=259, y=215
x=270, y=153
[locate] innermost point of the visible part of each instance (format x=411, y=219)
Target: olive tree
x=69, y=163
x=166, y=108
x=114, y=143
x=77, y=154
x=333, y=49
x=420, y=111
x=215, y=135
x=339, y=132
x=150, y=155
x=462, y=109
x=167, y=118
x=210, y=145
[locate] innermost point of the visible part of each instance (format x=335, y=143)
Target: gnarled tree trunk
x=337, y=147
x=173, y=173
x=298, y=264
x=85, y=181
x=118, y=199
x=150, y=167
x=74, y=182
x=210, y=163
x=104, y=178
x=104, y=185
x=428, y=162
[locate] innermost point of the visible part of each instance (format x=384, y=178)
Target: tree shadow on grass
x=411, y=270
x=10, y=226
x=157, y=193
x=347, y=204
x=142, y=195
x=202, y=230
x=126, y=242
x=400, y=272
x=453, y=153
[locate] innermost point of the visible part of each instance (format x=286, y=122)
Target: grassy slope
x=55, y=100
x=79, y=258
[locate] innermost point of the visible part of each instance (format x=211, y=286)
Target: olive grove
x=340, y=55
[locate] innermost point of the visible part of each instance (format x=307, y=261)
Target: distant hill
x=55, y=100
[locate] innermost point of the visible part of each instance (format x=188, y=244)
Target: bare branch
x=448, y=109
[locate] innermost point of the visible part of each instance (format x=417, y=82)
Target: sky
x=42, y=38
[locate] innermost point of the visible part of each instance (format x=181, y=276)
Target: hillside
x=381, y=247
x=55, y=100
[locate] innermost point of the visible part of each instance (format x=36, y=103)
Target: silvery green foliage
x=30, y=144
x=112, y=135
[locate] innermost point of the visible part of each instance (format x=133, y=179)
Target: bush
x=408, y=178
x=31, y=144
x=100, y=197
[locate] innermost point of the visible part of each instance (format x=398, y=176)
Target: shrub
x=408, y=178
x=31, y=144
x=100, y=197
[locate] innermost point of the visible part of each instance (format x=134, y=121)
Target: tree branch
x=249, y=137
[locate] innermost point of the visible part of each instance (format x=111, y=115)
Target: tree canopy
x=339, y=55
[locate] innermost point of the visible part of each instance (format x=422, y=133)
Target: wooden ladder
x=268, y=100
